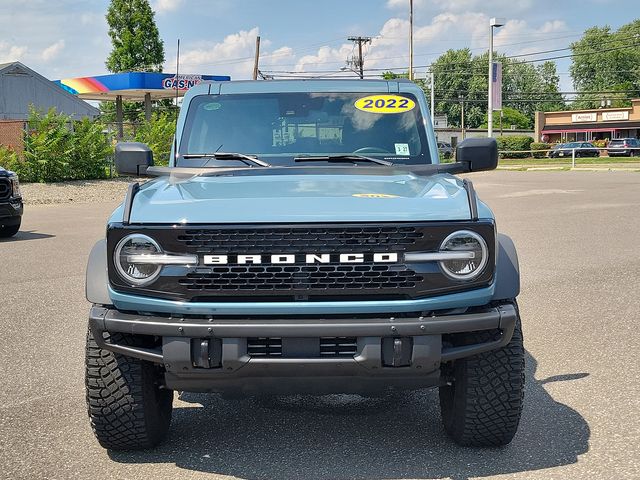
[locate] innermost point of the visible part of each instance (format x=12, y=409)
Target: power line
x=435, y=53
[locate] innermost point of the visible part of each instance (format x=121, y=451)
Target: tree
x=461, y=78
x=525, y=88
x=607, y=61
x=134, y=36
x=510, y=116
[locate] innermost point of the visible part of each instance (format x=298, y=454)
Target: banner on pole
x=496, y=88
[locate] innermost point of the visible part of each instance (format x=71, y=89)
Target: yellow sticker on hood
x=374, y=195
x=385, y=104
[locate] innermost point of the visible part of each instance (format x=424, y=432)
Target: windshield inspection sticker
x=402, y=149
x=384, y=104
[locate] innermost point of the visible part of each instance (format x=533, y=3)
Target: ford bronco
x=304, y=239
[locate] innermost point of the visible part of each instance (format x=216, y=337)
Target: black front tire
x=9, y=231
x=127, y=408
x=482, y=405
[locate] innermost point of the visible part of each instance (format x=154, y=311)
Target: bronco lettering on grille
x=307, y=258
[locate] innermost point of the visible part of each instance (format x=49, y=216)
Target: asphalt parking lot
x=578, y=235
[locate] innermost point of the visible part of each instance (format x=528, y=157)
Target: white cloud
x=38, y=25
x=446, y=30
x=520, y=38
x=11, y=53
x=323, y=56
x=163, y=6
x=233, y=56
x=52, y=51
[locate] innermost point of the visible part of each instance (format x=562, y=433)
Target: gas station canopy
x=135, y=86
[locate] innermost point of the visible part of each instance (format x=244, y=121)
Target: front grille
x=5, y=188
x=264, y=347
x=287, y=240
x=329, y=347
x=299, y=277
x=338, y=346
x=270, y=281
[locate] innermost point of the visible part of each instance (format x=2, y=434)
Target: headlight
x=129, y=255
x=464, y=241
x=15, y=186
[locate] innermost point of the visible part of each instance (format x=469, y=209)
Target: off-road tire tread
x=6, y=232
x=126, y=408
x=483, y=407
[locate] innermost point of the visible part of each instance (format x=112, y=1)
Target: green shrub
x=91, y=151
x=539, y=146
x=158, y=134
x=47, y=147
x=56, y=148
x=9, y=159
x=600, y=143
x=508, y=146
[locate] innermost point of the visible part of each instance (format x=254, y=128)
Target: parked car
x=623, y=147
x=445, y=149
x=583, y=149
x=10, y=203
x=297, y=266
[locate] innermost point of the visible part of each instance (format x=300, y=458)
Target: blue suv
x=303, y=239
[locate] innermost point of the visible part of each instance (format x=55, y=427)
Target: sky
x=68, y=38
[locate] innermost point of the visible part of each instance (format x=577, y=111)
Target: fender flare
x=97, y=280
x=507, y=285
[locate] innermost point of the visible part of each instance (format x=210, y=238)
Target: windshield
x=278, y=127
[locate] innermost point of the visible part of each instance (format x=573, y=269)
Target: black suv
x=10, y=203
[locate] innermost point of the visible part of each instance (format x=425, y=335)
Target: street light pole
x=411, y=40
x=461, y=98
x=494, y=22
x=433, y=97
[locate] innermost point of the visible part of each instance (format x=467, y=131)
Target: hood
x=267, y=198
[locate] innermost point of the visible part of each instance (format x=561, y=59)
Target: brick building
x=585, y=125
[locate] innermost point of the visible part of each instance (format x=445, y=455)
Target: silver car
x=445, y=149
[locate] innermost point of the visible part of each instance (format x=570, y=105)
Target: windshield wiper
x=247, y=159
x=339, y=158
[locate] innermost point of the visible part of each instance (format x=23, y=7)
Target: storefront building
x=586, y=125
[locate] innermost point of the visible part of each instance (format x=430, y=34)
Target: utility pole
x=255, y=62
x=358, y=62
x=411, y=40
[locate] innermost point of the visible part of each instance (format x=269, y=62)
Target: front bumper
x=619, y=153
x=208, y=354
x=11, y=212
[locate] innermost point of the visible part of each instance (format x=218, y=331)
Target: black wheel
x=482, y=405
x=9, y=231
x=127, y=408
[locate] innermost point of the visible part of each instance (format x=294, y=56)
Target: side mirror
x=478, y=154
x=133, y=158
